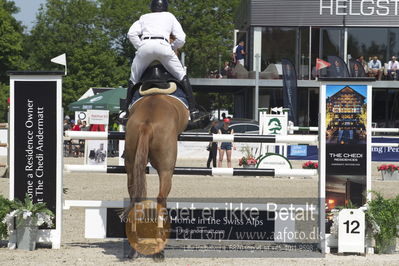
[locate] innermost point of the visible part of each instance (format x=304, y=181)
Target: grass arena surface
x=76, y=250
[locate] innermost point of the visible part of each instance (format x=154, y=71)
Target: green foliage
x=385, y=213
x=76, y=27
x=5, y=208
x=28, y=213
x=209, y=27
x=10, y=41
x=4, y=94
x=93, y=34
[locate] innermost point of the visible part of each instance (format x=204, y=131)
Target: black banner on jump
x=35, y=135
x=222, y=225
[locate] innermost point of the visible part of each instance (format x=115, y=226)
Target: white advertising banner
x=98, y=117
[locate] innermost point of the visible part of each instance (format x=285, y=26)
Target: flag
x=290, y=89
x=320, y=64
x=356, y=69
x=338, y=68
x=61, y=60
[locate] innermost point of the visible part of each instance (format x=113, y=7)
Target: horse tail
x=140, y=162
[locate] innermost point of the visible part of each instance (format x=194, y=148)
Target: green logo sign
x=274, y=126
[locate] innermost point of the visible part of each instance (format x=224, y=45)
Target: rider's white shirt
x=157, y=24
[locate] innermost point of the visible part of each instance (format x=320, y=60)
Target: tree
x=11, y=38
x=209, y=27
x=10, y=41
x=74, y=27
x=207, y=23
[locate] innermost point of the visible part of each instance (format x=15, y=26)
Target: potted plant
x=248, y=160
x=25, y=217
x=5, y=208
x=310, y=165
x=382, y=217
x=389, y=171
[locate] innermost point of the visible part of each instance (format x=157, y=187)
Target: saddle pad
x=178, y=94
x=172, y=88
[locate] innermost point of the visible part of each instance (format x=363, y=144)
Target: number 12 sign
x=351, y=231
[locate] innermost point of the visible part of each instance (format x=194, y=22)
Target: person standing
x=150, y=35
x=213, y=146
x=239, y=55
x=225, y=147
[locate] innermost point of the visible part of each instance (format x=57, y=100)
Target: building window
x=278, y=43
x=369, y=42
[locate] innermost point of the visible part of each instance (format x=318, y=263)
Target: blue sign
x=299, y=150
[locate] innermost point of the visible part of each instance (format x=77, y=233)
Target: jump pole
x=300, y=139
x=116, y=169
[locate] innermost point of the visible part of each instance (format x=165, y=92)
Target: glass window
x=303, y=69
x=368, y=42
x=393, y=49
x=252, y=128
x=331, y=42
x=239, y=128
x=278, y=43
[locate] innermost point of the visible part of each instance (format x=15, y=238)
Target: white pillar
x=257, y=46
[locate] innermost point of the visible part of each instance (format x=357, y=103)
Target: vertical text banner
x=35, y=136
x=346, y=111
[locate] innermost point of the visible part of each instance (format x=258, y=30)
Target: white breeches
x=152, y=50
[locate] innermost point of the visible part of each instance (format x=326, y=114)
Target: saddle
x=157, y=80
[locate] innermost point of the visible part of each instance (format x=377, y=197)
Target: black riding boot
x=129, y=96
x=128, y=101
x=192, y=105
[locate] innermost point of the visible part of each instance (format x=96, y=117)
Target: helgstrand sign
x=359, y=8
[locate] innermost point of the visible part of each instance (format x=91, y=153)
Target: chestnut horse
x=153, y=127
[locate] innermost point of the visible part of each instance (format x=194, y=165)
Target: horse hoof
x=159, y=257
x=132, y=255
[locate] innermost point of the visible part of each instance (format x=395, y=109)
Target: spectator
x=67, y=125
x=76, y=143
x=223, y=116
x=375, y=68
x=225, y=146
x=213, y=146
x=77, y=126
x=336, y=70
x=363, y=63
x=239, y=53
x=84, y=126
x=355, y=71
x=226, y=71
x=393, y=69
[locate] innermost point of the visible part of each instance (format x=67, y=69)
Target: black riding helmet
x=159, y=5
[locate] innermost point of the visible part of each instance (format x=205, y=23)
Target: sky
x=332, y=89
x=27, y=13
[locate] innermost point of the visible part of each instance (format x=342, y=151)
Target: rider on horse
x=150, y=36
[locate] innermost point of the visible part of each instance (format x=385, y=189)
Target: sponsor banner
x=275, y=124
x=290, y=89
x=96, y=152
x=82, y=116
x=298, y=150
x=274, y=161
x=34, y=130
x=346, y=154
x=98, y=117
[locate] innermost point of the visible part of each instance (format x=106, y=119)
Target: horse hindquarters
x=137, y=184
